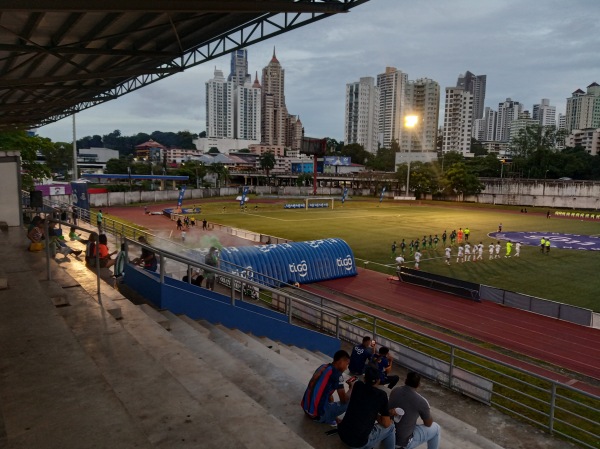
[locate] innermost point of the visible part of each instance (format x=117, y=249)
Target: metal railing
x=555, y=407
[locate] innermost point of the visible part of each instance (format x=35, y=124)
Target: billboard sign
x=313, y=147
x=337, y=160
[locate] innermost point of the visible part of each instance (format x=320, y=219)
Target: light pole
x=410, y=121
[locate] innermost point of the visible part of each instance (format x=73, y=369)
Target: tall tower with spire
x=274, y=110
x=239, y=68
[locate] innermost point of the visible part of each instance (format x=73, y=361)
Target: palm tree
x=267, y=162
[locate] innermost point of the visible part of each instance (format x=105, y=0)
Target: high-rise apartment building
x=274, y=110
x=476, y=85
x=507, y=112
x=392, y=86
x=583, y=108
x=523, y=121
x=361, y=123
x=562, y=121
x=239, y=68
x=219, y=107
x=458, y=120
x=247, y=101
x=422, y=99
x=233, y=110
x=491, y=120
x=544, y=113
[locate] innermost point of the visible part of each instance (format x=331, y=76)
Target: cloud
x=528, y=50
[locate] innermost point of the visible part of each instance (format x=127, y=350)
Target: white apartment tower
x=248, y=115
x=508, y=111
x=274, y=111
x=544, y=113
x=219, y=107
x=422, y=99
x=583, y=108
x=361, y=124
x=392, y=86
x=491, y=120
x=476, y=85
x=458, y=119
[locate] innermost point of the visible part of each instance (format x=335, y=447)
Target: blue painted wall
x=198, y=303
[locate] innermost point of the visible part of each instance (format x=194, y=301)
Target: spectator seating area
x=73, y=372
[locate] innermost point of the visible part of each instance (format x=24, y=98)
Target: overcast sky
x=529, y=50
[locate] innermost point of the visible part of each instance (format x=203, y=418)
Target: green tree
x=458, y=180
x=195, y=170
x=267, y=162
x=477, y=148
x=28, y=146
x=213, y=150
x=117, y=166
x=220, y=171
x=423, y=178
x=357, y=153
x=59, y=157
x=385, y=158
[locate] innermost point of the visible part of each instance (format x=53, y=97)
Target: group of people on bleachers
x=370, y=417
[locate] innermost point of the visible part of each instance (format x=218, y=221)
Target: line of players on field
x=466, y=252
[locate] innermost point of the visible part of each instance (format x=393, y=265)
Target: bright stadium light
x=410, y=121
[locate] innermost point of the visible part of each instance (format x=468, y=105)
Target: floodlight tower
x=410, y=121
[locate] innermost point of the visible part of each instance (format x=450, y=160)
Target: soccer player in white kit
x=459, y=256
x=467, y=252
x=447, y=255
x=517, y=249
x=491, y=250
x=417, y=259
x=399, y=261
x=497, y=248
x=479, y=252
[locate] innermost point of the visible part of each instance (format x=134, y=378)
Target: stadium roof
x=58, y=57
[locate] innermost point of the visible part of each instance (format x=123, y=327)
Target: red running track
x=567, y=345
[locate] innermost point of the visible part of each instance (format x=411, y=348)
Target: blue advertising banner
x=79, y=195
x=180, y=198
x=381, y=196
x=337, y=160
x=244, y=194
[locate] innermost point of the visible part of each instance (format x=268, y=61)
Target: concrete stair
x=74, y=374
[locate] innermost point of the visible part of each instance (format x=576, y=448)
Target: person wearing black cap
x=368, y=405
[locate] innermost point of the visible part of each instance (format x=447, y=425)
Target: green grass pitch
x=568, y=276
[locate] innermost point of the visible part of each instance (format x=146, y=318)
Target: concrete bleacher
x=74, y=375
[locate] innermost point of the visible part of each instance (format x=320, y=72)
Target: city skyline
x=528, y=52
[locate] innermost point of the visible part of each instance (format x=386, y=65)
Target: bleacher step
x=237, y=379
x=155, y=315
x=265, y=376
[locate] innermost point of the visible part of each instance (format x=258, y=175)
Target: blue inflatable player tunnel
x=287, y=263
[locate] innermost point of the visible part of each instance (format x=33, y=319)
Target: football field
x=370, y=228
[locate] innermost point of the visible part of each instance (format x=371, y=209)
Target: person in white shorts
x=517, y=249
x=399, y=261
x=447, y=255
x=467, y=252
x=460, y=256
x=417, y=259
x=479, y=252
x=497, y=248
x=491, y=250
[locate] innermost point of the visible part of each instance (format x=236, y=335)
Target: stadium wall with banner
x=287, y=263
